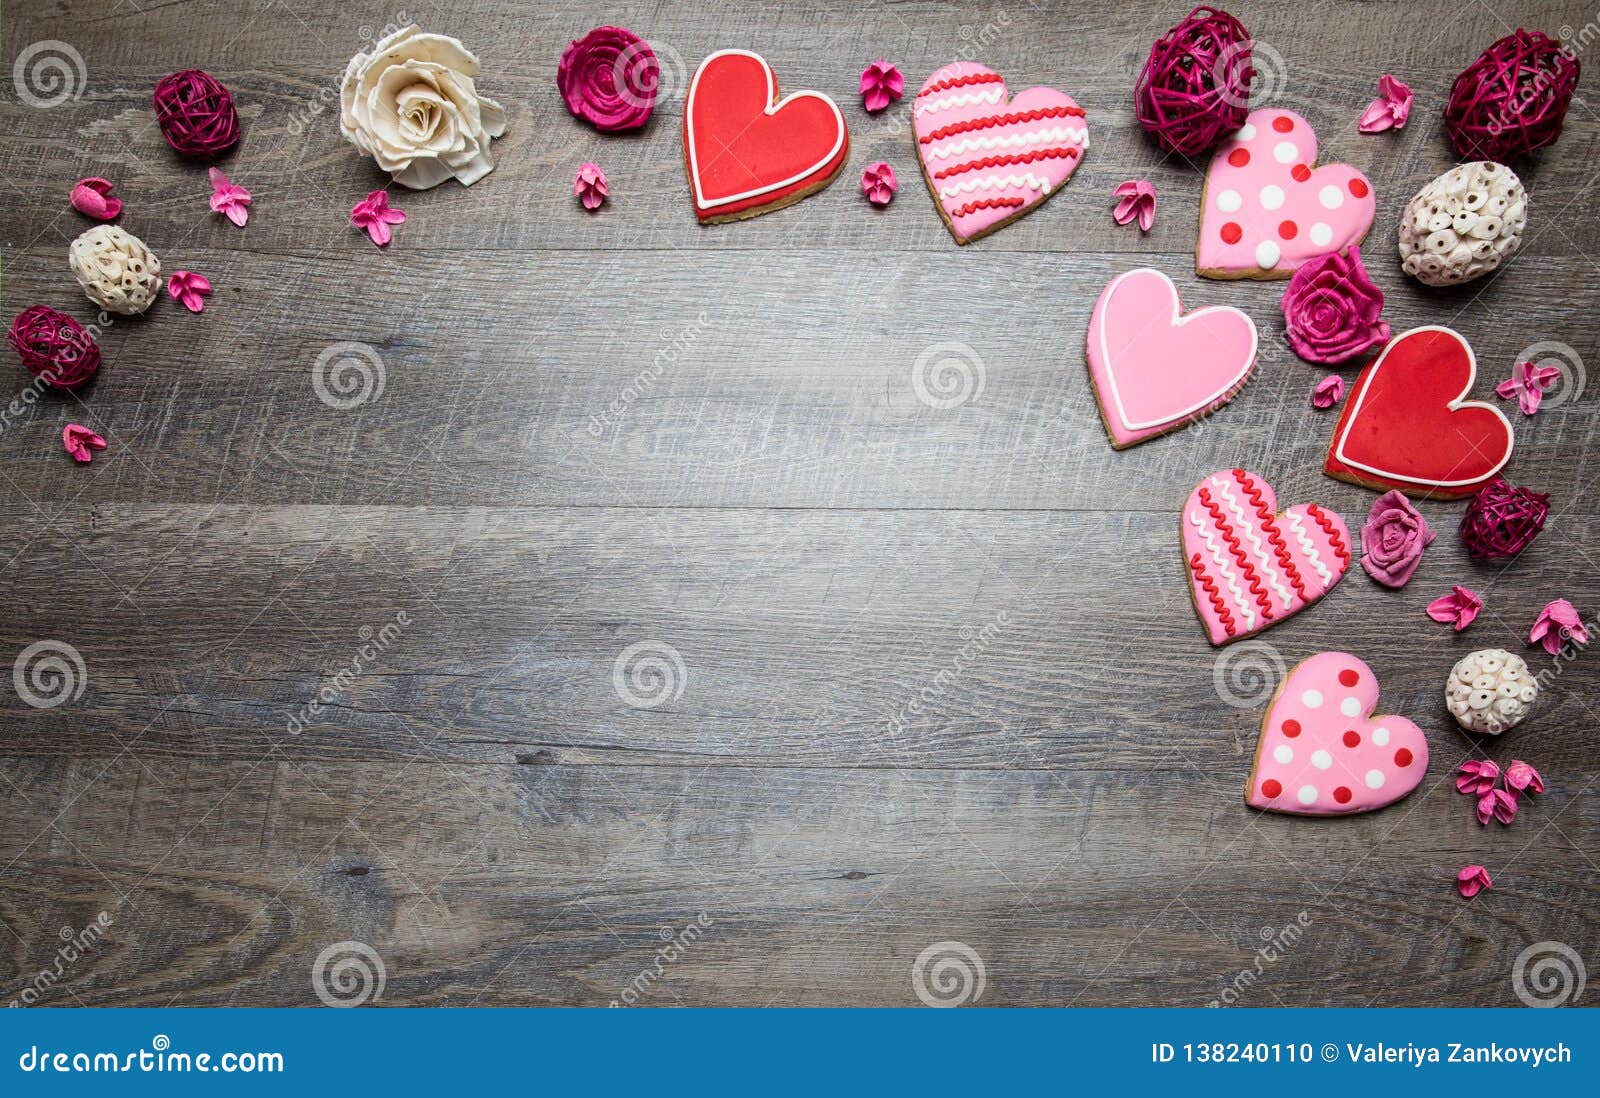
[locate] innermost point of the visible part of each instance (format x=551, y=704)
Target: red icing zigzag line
x=1008, y=158
x=1269, y=522
x=1260, y=592
x=1212, y=593
x=1002, y=120
x=1333, y=534
x=985, y=204
x=962, y=82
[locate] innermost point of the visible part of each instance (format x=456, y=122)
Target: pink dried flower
x=1499, y=804
x=590, y=186
x=189, y=288
x=92, y=197
x=1558, y=623
x=1332, y=309
x=879, y=184
x=229, y=199
x=1477, y=777
x=1393, y=539
x=1522, y=778
x=1472, y=880
x=374, y=214
x=1390, y=110
x=1329, y=391
x=79, y=440
x=609, y=78
x=1138, y=201
x=1457, y=608
x=1528, y=384
x=881, y=84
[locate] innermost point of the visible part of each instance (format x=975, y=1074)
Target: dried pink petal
x=189, y=288
x=1138, y=201
x=879, y=184
x=1499, y=804
x=92, y=197
x=1558, y=623
x=79, y=440
x=229, y=199
x=1472, y=880
x=590, y=186
x=1458, y=608
x=1523, y=778
x=1329, y=391
x=1390, y=110
x=1477, y=776
x=1527, y=385
x=374, y=214
x=881, y=84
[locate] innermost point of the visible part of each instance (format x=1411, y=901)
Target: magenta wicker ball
x=1501, y=521
x=196, y=113
x=54, y=347
x=1195, y=87
x=1512, y=99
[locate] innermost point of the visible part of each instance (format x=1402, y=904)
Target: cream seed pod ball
x=1490, y=691
x=116, y=270
x=1464, y=224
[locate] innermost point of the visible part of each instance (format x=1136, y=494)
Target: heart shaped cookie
x=1408, y=423
x=1250, y=567
x=748, y=152
x=989, y=159
x=1267, y=209
x=1323, y=753
x=1156, y=368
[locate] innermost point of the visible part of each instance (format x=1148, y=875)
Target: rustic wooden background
x=479, y=804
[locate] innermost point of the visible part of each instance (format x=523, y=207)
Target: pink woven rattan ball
x=1501, y=521
x=1195, y=87
x=1512, y=99
x=54, y=347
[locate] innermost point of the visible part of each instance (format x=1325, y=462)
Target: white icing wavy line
x=1249, y=529
x=1217, y=558
x=990, y=182
x=1052, y=136
x=1310, y=550
x=962, y=99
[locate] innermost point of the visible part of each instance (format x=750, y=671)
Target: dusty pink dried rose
x=1393, y=539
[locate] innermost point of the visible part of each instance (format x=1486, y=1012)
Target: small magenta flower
x=1329, y=391
x=189, y=288
x=1558, y=622
x=92, y=197
x=1523, y=778
x=79, y=440
x=229, y=199
x=1472, y=880
x=1458, y=608
x=1138, y=203
x=879, y=184
x=881, y=84
x=374, y=214
x=1390, y=110
x=590, y=186
x=1498, y=804
x=1477, y=777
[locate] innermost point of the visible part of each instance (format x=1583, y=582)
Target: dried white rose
x=116, y=270
x=411, y=105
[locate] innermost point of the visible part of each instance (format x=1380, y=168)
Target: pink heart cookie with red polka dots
x=1267, y=209
x=1323, y=753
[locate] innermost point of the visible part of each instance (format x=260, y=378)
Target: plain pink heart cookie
x=1323, y=753
x=1267, y=210
x=989, y=159
x=1156, y=368
x=1250, y=567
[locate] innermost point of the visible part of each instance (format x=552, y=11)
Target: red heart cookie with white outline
x=1407, y=423
x=748, y=152
x=1323, y=753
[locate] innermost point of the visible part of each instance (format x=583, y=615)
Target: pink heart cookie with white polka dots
x=1267, y=209
x=1323, y=753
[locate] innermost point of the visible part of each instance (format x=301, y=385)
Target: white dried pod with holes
x=1464, y=224
x=116, y=270
x=1490, y=691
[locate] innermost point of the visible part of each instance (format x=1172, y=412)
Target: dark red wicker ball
x=1195, y=87
x=1501, y=520
x=1512, y=99
x=54, y=347
x=196, y=113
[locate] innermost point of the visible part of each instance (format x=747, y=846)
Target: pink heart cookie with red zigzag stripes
x=987, y=158
x=1250, y=567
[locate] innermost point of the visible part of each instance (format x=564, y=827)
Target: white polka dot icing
x=1331, y=197
x=1271, y=197
x=1229, y=201
x=1321, y=234
x=1320, y=759
x=1284, y=152
x=1267, y=254
x=1247, y=132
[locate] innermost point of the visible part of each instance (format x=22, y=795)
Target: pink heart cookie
x=989, y=159
x=1323, y=753
x=1267, y=209
x=1249, y=567
x=1156, y=368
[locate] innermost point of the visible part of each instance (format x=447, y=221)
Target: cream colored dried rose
x=411, y=105
x=116, y=270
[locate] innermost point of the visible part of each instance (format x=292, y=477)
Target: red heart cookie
x=748, y=152
x=1408, y=423
x=1323, y=753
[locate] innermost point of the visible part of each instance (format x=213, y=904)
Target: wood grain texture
x=923, y=674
